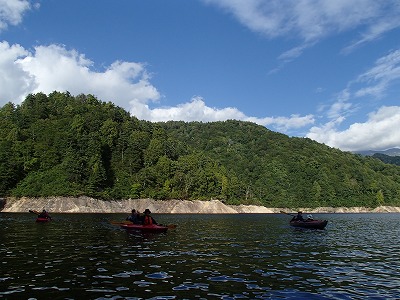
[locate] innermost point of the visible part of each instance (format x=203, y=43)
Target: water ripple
x=219, y=257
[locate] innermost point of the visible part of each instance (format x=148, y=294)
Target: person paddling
x=299, y=217
x=44, y=214
x=147, y=219
x=309, y=218
x=134, y=217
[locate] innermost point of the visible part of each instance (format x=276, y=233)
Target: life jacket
x=148, y=220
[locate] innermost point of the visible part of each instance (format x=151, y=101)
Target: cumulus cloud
x=284, y=124
x=197, y=110
x=54, y=67
x=15, y=83
x=11, y=12
x=380, y=131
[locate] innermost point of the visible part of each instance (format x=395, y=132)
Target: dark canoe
x=312, y=224
x=145, y=228
x=42, y=220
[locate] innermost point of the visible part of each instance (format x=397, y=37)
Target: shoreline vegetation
x=64, y=145
x=85, y=204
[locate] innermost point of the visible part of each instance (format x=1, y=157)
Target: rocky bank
x=91, y=205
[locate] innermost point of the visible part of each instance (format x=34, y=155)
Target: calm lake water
x=80, y=256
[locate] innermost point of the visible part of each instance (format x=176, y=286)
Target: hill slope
x=281, y=171
x=60, y=145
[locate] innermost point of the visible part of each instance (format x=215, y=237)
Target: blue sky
x=327, y=70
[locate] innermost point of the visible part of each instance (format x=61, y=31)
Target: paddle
x=282, y=212
x=38, y=213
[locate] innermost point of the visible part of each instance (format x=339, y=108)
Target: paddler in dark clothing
x=299, y=217
x=134, y=217
x=44, y=214
x=147, y=219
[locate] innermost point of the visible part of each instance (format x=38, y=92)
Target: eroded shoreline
x=90, y=205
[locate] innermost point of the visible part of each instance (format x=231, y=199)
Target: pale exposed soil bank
x=90, y=205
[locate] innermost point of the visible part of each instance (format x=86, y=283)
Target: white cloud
x=53, y=67
x=380, y=131
x=338, y=109
x=377, y=132
x=284, y=124
x=378, y=78
x=15, y=83
x=376, y=31
x=197, y=110
x=294, y=52
x=374, y=82
x=11, y=12
x=312, y=20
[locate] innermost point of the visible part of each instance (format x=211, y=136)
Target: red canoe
x=41, y=220
x=145, y=228
x=313, y=224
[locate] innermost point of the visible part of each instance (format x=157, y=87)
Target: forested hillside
x=61, y=145
x=395, y=160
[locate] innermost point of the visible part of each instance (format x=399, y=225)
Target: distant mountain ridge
x=389, y=152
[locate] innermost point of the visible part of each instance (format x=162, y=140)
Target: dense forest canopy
x=63, y=145
x=395, y=160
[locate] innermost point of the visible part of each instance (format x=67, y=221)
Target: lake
x=245, y=256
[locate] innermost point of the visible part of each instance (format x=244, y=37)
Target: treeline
x=63, y=145
x=394, y=160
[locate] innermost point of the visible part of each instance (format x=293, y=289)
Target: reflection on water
x=205, y=257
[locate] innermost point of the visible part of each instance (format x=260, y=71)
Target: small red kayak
x=145, y=228
x=312, y=224
x=42, y=220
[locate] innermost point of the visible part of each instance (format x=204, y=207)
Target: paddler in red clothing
x=44, y=214
x=147, y=219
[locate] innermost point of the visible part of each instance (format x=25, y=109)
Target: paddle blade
x=34, y=212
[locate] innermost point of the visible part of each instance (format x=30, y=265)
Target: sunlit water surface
x=83, y=256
